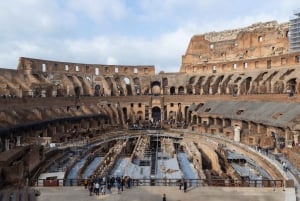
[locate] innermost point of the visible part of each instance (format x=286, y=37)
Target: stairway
x=153, y=163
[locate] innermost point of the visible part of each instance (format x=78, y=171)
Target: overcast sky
x=129, y=32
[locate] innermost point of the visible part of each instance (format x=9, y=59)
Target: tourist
x=119, y=186
x=103, y=189
x=284, y=166
x=109, y=187
x=184, y=186
x=128, y=182
x=91, y=188
x=122, y=183
x=164, y=198
x=97, y=188
x=85, y=183
x=181, y=183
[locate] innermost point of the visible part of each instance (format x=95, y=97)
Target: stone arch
x=165, y=84
x=207, y=85
x=227, y=122
x=215, y=86
x=97, y=90
x=268, y=82
x=255, y=88
x=137, y=85
x=156, y=114
x=179, y=113
x=189, y=86
x=172, y=116
x=49, y=91
x=278, y=87
x=219, y=121
x=180, y=90
x=199, y=85
x=60, y=91
x=155, y=88
x=172, y=91
x=194, y=119
x=186, y=114
x=192, y=80
x=291, y=86
x=38, y=77
x=86, y=90
x=140, y=115
x=288, y=72
x=245, y=85
x=124, y=110
x=119, y=88
x=165, y=81
x=74, y=82
x=128, y=86
x=77, y=91
x=110, y=86
x=245, y=126
x=225, y=88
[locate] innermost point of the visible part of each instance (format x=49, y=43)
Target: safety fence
x=168, y=182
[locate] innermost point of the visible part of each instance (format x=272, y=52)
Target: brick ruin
x=241, y=84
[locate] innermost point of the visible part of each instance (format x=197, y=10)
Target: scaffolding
x=294, y=32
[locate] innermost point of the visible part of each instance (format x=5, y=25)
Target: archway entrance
x=77, y=92
x=155, y=88
x=97, y=90
x=156, y=115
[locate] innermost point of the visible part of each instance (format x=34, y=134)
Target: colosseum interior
x=233, y=102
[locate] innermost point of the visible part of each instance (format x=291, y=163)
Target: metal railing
x=172, y=182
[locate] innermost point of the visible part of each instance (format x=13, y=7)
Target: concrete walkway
x=155, y=193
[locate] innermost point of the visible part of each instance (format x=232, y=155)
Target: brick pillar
x=296, y=137
x=18, y=141
x=201, y=90
x=6, y=144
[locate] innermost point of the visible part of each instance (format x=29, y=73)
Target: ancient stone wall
x=46, y=66
x=237, y=50
x=242, y=78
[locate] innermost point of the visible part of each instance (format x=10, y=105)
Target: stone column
x=210, y=90
x=296, y=137
x=6, y=144
x=237, y=134
x=18, y=141
x=201, y=90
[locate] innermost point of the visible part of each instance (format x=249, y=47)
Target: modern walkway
x=154, y=193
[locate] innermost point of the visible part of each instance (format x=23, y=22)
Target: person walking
x=119, y=187
x=164, y=198
x=97, y=187
x=85, y=183
x=184, y=186
x=91, y=188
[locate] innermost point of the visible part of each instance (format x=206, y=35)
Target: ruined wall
x=46, y=66
x=238, y=49
x=59, y=101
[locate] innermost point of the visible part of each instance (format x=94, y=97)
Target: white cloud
x=111, y=61
x=111, y=31
x=99, y=10
x=33, y=19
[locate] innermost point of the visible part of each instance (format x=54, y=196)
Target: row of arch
x=271, y=81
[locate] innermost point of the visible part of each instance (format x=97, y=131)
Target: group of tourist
x=103, y=185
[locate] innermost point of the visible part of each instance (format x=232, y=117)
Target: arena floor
x=153, y=193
